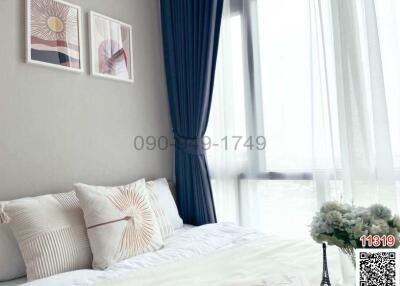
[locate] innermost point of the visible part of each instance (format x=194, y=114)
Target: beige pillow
x=50, y=232
x=120, y=222
x=163, y=221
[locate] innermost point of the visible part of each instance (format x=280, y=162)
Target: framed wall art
x=54, y=34
x=110, y=48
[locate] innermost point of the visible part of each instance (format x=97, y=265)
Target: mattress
x=300, y=258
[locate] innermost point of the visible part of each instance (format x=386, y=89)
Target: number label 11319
x=378, y=240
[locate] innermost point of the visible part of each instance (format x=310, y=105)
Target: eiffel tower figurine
x=325, y=275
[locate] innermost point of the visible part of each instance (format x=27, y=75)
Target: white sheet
x=300, y=257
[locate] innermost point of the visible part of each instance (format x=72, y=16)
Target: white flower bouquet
x=343, y=225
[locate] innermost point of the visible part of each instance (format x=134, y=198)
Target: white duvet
x=302, y=260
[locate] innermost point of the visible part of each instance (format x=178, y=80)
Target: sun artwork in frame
x=54, y=34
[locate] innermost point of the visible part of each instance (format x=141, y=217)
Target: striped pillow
x=51, y=234
x=165, y=225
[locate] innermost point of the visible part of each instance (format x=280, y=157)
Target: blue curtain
x=190, y=31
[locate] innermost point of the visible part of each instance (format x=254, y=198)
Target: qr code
x=377, y=267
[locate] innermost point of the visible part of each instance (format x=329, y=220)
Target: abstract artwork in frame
x=110, y=48
x=54, y=34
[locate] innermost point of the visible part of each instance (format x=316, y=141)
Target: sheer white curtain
x=350, y=71
x=233, y=144
x=318, y=79
x=227, y=118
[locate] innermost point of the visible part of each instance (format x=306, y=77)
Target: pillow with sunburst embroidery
x=120, y=222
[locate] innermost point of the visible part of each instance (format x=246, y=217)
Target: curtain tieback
x=188, y=145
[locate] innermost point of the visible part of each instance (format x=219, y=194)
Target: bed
x=214, y=254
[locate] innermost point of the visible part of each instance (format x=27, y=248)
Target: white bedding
x=302, y=258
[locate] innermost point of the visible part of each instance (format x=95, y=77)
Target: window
x=278, y=76
x=285, y=75
x=271, y=202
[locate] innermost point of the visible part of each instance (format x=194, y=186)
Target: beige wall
x=58, y=127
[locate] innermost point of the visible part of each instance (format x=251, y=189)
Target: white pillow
x=165, y=225
x=120, y=222
x=50, y=232
x=168, y=203
x=12, y=265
